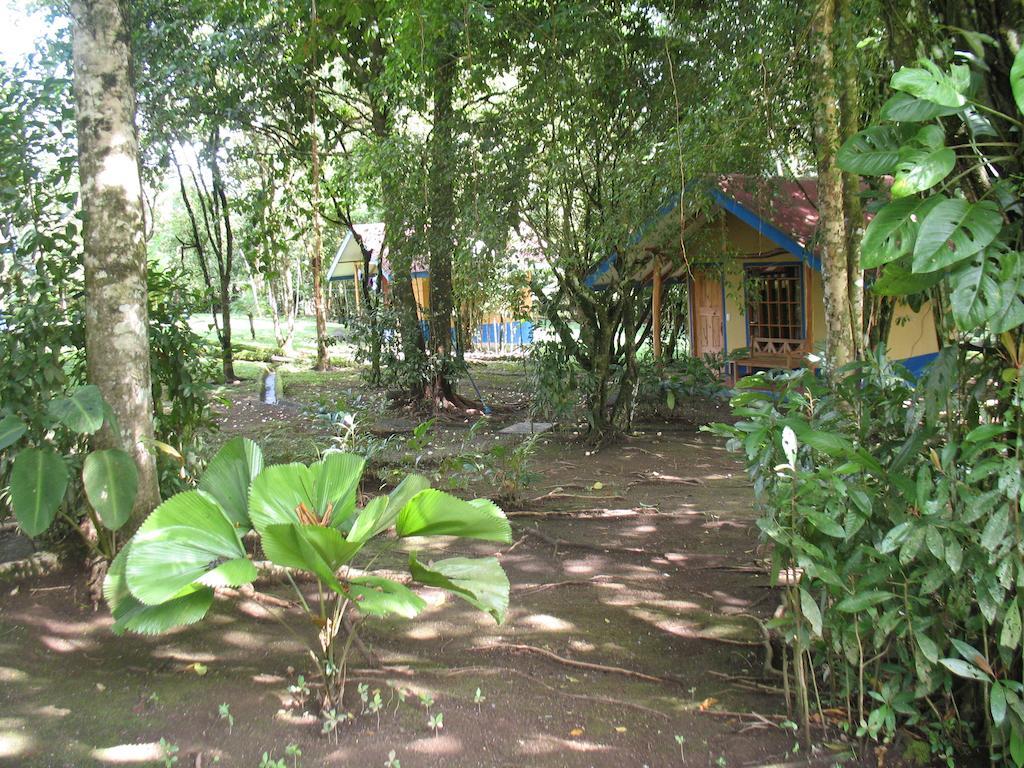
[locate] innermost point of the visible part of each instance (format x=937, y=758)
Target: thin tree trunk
x=835, y=261
x=441, y=234
x=116, y=316
x=850, y=107
x=317, y=257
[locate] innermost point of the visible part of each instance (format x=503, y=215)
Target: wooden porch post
x=355, y=282
x=656, y=308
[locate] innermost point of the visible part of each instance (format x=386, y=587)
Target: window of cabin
x=775, y=307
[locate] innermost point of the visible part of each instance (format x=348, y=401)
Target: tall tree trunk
x=116, y=316
x=317, y=258
x=441, y=231
x=224, y=247
x=835, y=266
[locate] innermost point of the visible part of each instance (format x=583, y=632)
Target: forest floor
x=633, y=636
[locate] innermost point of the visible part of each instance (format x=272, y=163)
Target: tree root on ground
x=573, y=663
x=556, y=543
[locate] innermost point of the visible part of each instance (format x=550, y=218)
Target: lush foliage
x=309, y=520
x=894, y=506
x=46, y=479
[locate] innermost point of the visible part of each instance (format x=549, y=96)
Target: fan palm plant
x=309, y=522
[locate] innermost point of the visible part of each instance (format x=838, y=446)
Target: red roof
x=787, y=204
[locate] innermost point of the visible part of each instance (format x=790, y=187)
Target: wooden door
x=708, y=337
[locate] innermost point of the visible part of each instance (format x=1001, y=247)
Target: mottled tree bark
x=835, y=265
x=316, y=261
x=116, y=318
x=441, y=233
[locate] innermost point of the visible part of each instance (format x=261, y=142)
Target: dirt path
x=662, y=588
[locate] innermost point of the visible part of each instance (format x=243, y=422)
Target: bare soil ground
x=662, y=583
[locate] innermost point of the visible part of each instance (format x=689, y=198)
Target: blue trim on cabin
x=918, y=364
x=421, y=273
x=765, y=228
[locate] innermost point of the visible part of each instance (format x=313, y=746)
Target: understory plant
x=309, y=521
x=52, y=475
x=894, y=505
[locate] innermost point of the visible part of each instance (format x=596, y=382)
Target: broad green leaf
x=1017, y=79
x=894, y=538
x=893, y=230
x=953, y=231
x=863, y=600
x=963, y=669
x=186, y=539
x=1016, y=737
x=954, y=556
x=379, y=597
x=38, y=482
x=82, y=412
x=130, y=615
x=111, y=482
x=904, y=108
x=933, y=538
x=927, y=646
x=828, y=442
x=811, y=612
x=975, y=293
x=435, y=513
x=997, y=703
x=899, y=281
x=481, y=582
x=994, y=532
x=380, y=514
x=230, y=474
x=320, y=551
x=826, y=524
x=11, y=430
x=874, y=151
x=329, y=485
x=930, y=83
x=1009, y=637
x=920, y=168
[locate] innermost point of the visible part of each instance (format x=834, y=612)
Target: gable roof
x=781, y=210
x=349, y=255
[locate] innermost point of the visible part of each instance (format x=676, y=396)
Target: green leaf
x=893, y=230
x=874, y=151
x=995, y=530
x=826, y=524
x=954, y=230
x=997, y=703
x=379, y=597
x=1017, y=79
x=975, y=293
x=858, y=602
x=811, y=612
x=898, y=281
x=331, y=483
x=895, y=537
x=38, y=482
x=904, y=108
x=927, y=646
x=930, y=83
x=921, y=168
x=131, y=615
x=380, y=514
x=111, y=482
x=11, y=430
x=82, y=412
x=963, y=669
x=954, y=556
x=230, y=474
x=828, y=442
x=933, y=538
x=286, y=545
x=1009, y=637
x=1016, y=737
x=186, y=539
x=481, y=582
x=435, y=513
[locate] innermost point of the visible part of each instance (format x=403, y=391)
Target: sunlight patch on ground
x=13, y=742
x=12, y=675
x=437, y=745
x=546, y=745
x=548, y=623
x=423, y=632
x=63, y=645
x=187, y=657
x=126, y=754
x=51, y=711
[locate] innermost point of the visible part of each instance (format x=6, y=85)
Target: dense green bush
x=894, y=507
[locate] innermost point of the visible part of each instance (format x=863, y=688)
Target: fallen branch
x=556, y=543
x=656, y=478
x=573, y=663
x=590, y=513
